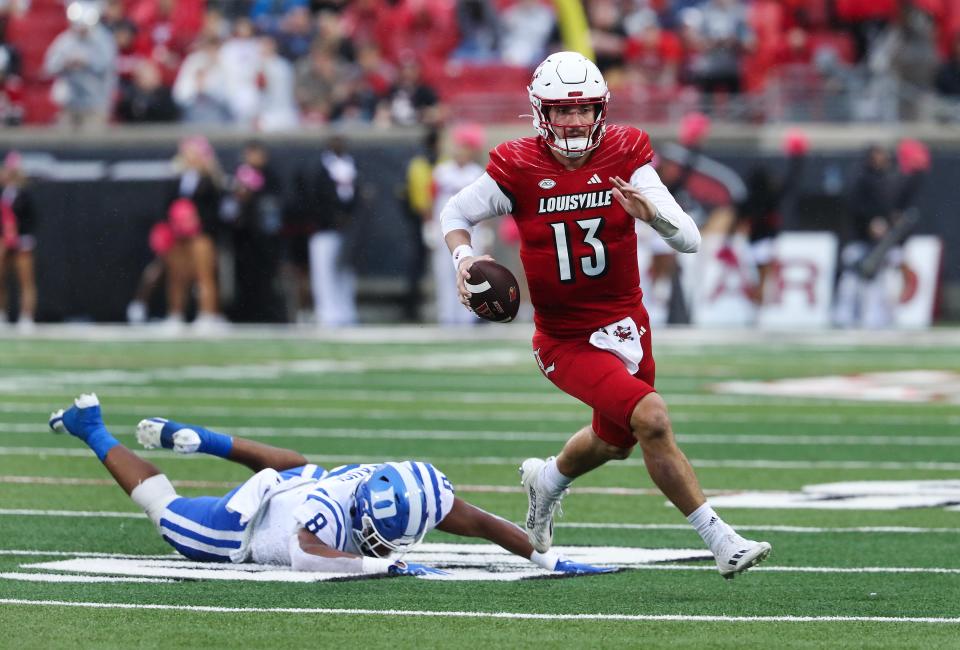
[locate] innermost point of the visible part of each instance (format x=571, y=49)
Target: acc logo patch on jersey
x=547, y=183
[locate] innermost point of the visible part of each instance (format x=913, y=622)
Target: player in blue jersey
x=354, y=519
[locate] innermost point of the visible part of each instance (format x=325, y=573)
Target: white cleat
x=56, y=421
x=183, y=441
x=541, y=507
x=738, y=554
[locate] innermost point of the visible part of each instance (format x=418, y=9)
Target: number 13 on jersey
x=592, y=265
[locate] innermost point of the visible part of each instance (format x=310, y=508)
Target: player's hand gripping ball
x=494, y=292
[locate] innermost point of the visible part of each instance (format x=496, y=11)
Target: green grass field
x=877, y=578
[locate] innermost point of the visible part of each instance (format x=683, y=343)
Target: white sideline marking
x=497, y=615
x=773, y=528
x=44, y=577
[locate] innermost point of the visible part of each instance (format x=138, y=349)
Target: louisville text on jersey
x=581, y=201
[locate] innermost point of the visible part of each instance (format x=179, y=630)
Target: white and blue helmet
x=391, y=512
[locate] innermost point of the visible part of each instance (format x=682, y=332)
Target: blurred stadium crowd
x=251, y=242
x=277, y=64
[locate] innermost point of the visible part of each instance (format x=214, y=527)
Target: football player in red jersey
x=575, y=191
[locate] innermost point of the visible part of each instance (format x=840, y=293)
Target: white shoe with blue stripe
x=150, y=434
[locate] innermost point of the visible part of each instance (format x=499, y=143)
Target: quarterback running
x=354, y=519
x=576, y=191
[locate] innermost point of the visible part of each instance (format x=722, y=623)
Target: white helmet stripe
x=425, y=480
x=414, y=500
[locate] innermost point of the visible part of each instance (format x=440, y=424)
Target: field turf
x=476, y=408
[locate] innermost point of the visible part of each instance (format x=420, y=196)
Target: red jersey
x=578, y=246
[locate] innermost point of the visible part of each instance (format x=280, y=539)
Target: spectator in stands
x=865, y=19
x=82, y=60
x=17, y=240
x=277, y=110
x=322, y=85
x=254, y=212
x=241, y=58
x=215, y=26
x=147, y=100
x=726, y=37
x=948, y=76
x=417, y=200
x=231, y=9
x=907, y=52
x=364, y=86
x=327, y=190
x=607, y=35
x=295, y=34
x=11, y=86
x=477, y=25
x=267, y=15
x=411, y=100
x=201, y=86
x=652, y=53
x=128, y=57
x=527, y=27
x=331, y=36
x=166, y=29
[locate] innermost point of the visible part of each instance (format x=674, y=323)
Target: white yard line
x=773, y=528
x=711, y=463
x=470, y=489
x=269, y=370
x=559, y=436
x=530, y=414
x=66, y=577
x=451, y=392
x=493, y=615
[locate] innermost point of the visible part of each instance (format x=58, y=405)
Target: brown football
x=495, y=293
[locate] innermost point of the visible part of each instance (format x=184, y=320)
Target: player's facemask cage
x=556, y=135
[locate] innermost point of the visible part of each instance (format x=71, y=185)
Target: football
x=495, y=293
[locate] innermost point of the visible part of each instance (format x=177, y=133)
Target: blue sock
x=211, y=442
x=87, y=424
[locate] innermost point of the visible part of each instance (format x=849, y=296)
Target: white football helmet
x=565, y=79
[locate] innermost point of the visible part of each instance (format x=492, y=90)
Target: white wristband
x=461, y=251
x=546, y=560
x=372, y=565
